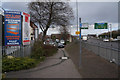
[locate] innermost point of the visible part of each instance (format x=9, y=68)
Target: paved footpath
x=92, y=66
x=52, y=67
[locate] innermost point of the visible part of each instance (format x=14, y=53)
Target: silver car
x=61, y=45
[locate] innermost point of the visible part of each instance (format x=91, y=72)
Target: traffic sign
x=101, y=26
x=77, y=32
x=84, y=25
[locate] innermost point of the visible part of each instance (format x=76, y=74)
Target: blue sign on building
x=12, y=24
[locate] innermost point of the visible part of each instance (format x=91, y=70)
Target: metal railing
x=98, y=44
x=18, y=51
x=109, y=53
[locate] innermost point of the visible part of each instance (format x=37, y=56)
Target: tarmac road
x=47, y=69
x=102, y=43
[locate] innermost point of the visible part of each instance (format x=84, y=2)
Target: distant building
x=60, y=36
x=57, y=36
x=92, y=35
x=33, y=31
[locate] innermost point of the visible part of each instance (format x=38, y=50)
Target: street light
x=110, y=31
x=71, y=33
x=110, y=35
x=77, y=13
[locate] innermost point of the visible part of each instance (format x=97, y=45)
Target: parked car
x=62, y=41
x=61, y=45
x=118, y=38
x=114, y=39
x=57, y=40
x=55, y=44
x=105, y=40
x=51, y=43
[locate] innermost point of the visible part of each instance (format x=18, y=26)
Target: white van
x=84, y=38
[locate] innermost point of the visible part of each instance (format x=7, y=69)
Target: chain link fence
x=109, y=53
x=0, y=62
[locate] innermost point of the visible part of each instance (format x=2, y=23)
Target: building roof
x=33, y=25
x=1, y=11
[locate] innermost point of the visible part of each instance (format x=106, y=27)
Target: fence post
x=0, y=62
x=111, y=51
x=21, y=51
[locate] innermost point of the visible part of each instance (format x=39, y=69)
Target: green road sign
x=84, y=25
x=101, y=26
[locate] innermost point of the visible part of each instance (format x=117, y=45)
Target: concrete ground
x=52, y=67
x=92, y=66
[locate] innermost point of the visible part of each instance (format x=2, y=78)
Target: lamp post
x=110, y=31
x=71, y=33
x=77, y=13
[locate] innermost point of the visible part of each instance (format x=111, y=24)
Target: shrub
x=16, y=64
x=49, y=50
x=37, y=50
x=41, y=50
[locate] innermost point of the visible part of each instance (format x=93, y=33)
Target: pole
x=110, y=31
x=80, y=44
x=110, y=40
x=77, y=16
x=77, y=13
x=70, y=34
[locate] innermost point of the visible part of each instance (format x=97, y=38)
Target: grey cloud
x=97, y=11
x=90, y=12
x=19, y=6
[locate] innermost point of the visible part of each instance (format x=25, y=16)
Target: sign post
x=1, y=30
x=1, y=46
x=80, y=43
x=77, y=32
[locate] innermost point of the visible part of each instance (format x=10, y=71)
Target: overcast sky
x=89, y=12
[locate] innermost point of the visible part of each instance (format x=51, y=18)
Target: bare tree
x=64, y=32
x=50, y=13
